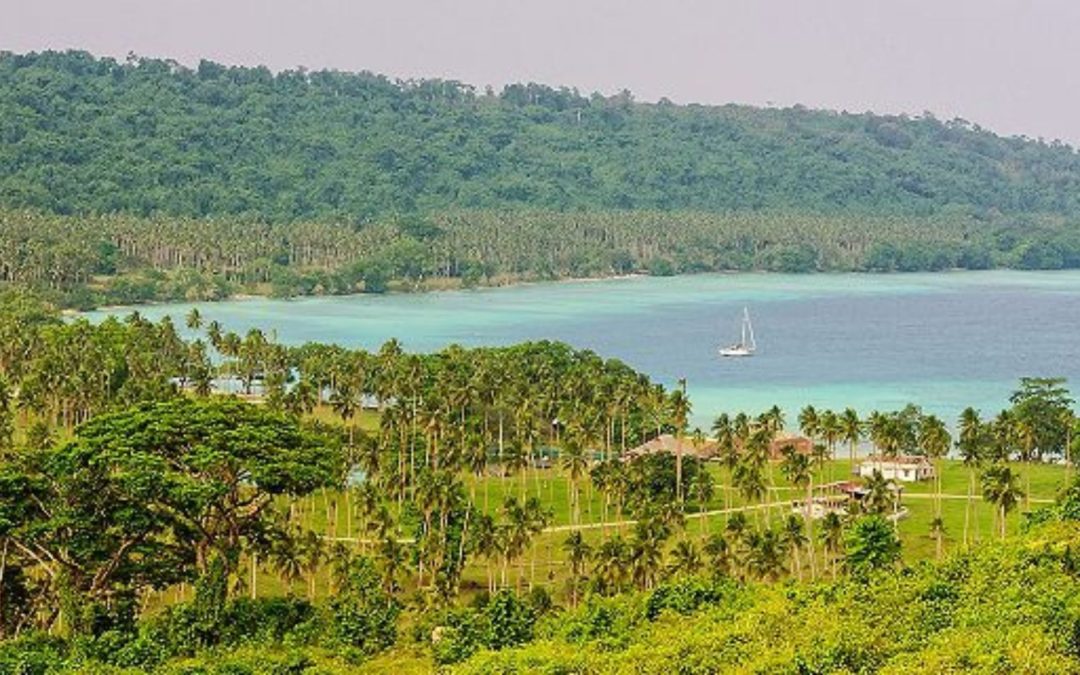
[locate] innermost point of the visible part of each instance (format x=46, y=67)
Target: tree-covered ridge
x=147, y=136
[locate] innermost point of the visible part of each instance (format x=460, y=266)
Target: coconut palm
x=880, y=494
x=934, y=441
x=576, y=464
x=611, y=565
x=578, y=553
x=193, y=320
x=809, y=422
x=646, y=553
x=832, y=538
x=970, y=444
x=937, y=532
x=720, y=554
x=793, y=536
x=1001, y=487
x=765, y=554
x=796, y=467
x=685, y=559
x=702, y=489
x=832, y=431
x=680, y=412
x=852, y=431
x=727, y=451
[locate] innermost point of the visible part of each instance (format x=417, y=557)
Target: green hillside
x=148, y=136
x=146, y=180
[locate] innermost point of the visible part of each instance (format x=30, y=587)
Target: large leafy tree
x=151, y=495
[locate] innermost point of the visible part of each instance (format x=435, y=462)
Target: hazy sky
x=1010, y=65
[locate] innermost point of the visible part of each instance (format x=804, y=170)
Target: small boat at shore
x=746, y=346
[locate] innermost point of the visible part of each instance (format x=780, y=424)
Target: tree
x=1001, y=487
x=796, y=467
x=794, y=537
x=720, y=555
x=970, y=444
x=832, y=538
x=164, y=488
x=871, y=544
x=575, y=463
x=680, y=413
x=765, y=554
x=364, y=614
x=934, y=440
x=578, y=553
x=852, y=431
x=1040, y=410
x=685, y=559
x=701, y=489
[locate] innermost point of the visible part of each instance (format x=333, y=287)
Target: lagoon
x=943, y=340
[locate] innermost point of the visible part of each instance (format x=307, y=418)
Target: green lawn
x=545, y=564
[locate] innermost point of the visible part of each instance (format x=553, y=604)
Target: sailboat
x=746, y=345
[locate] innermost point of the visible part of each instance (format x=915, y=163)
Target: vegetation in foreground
x=141, y=515
x=124, y=182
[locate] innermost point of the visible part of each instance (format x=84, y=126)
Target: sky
x=1008, y=65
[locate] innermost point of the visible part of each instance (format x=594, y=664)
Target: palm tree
x=832, y=430
x=970, y=445
x=575, y=463
x=727, y=452
x=702, y=489
x=680, y=412
x=1001, y=487
x=287, y=559
x=646, y=553
x=934, y=440
x=937, y=531
x=765, y=554
x=685, y=559
x=611, y=565
x=794, y=538
x=720, y=554
x=832, y=538
x=880, y=495
x=578, y=552
x=193, y=319
x=809, y=422
x=748, y=477
x=852, y=431
x=796, y=467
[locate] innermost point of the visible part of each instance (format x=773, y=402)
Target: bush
x=363, y=616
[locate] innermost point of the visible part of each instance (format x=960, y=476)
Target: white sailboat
x=746, y=345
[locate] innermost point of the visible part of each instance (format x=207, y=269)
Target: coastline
x=441, y=286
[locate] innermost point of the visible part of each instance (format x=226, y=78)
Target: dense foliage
x=996, y=610
x=144, y=180
x=148, y=136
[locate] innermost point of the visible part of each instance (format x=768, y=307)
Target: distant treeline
x=83, y=261
x=146, y=180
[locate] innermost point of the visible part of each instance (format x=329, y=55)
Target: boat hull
x=736, y=351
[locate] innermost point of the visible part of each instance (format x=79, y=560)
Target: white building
x=906, y=468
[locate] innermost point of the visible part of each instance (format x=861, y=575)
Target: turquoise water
x=944, y=340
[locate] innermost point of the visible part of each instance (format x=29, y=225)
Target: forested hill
x=80, y=134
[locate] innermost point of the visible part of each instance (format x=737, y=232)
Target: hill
x=148, y=136
x=146, y=180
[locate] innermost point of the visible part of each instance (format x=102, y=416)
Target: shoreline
x=247, y=295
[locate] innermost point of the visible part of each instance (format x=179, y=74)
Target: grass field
x=545, y=564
